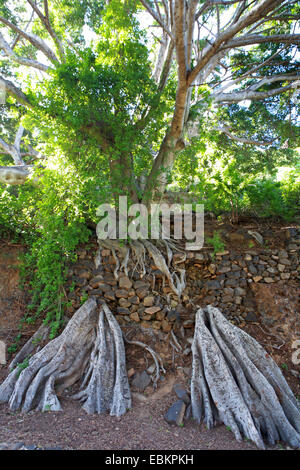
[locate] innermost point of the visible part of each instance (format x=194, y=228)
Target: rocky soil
x=254, y=281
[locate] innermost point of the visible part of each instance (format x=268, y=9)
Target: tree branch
x=180, y=41
x=235, y=97
x=46, y=21
x=20, y=60
x=14, y=174
x=156, y=17
x=247, y=40
x=262, y=8
x=33, y=39
x=18, y=94
x=242, y=140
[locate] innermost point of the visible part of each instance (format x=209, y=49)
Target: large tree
x=88, y=79
x=205, y=56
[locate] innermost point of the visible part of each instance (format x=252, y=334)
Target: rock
x=228, y=290
x=232, y=283
x=272, y=270
x=175, y=413
x=252, y=269
x=257, y=278
x=285, y=261
x=125, y=283
x=141, y=381
x=269, y=280
x=292, y=246
x=224, y=269
x=152, y=310
x=233, y=275
x=141, y=284
x=285, y=276
x=173, y=315
x=251, y=317
x=134, y=317
x=161, y=315
x=134, y=300
x=146, y=324
x=213, y=285
x=281, y=267
x=121, y=293
x=110, y=295
x=227, y=299
x=148, y=301
x=187, y=371
x=142, y=292
x=181, y=393
x=166, y=326
x=239, y=291
x=199, y=257
x=124, y=303
x=123, y=311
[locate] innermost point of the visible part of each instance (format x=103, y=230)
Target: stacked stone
x=223, y=280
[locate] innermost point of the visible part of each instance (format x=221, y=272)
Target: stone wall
x=222, y=279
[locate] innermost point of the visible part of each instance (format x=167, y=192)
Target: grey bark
x=235, y=381
x=81, y=350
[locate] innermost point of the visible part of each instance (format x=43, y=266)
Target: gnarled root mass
x=235, y=381
x=91, y=346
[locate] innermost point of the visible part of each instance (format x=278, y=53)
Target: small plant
x=36, y=341
x=84, y=298
x=284, y=366
x=228, y=428
x=14, y=346
x=47, y=408
x=216, y=242
x=22, y=365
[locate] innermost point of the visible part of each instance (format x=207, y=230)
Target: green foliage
x=51, y=218
x=216, y=242
x=22, y=365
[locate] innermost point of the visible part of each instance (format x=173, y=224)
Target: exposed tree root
x=156, y=357
x=64, y=360
x=105, y=383
x=235, y=381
